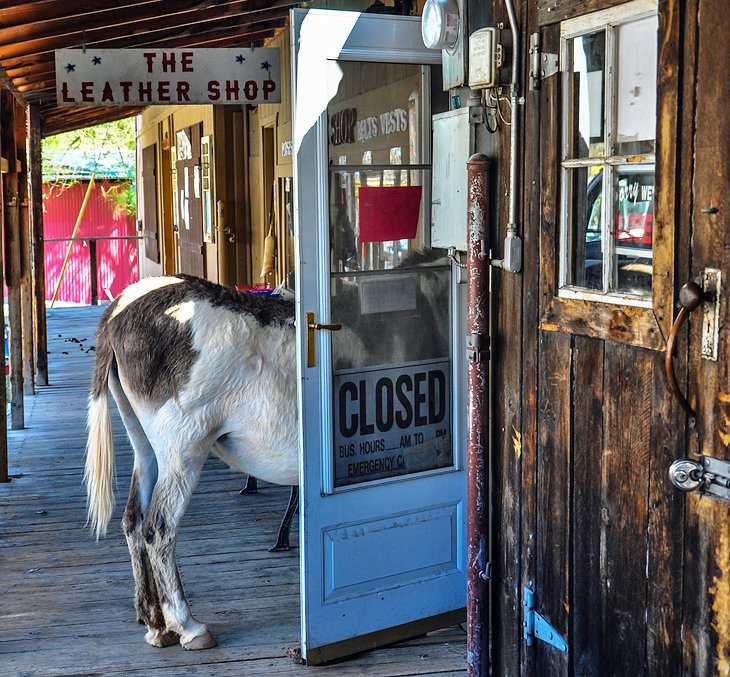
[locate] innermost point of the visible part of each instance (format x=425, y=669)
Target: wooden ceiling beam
x=80, y=31
x=18, y=13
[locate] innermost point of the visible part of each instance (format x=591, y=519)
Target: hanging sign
x=140, y=77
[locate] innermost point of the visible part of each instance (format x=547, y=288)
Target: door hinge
x=542, y=65
x=709, y=476
x=534, y=625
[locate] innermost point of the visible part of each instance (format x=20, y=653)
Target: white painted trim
x=588, y=23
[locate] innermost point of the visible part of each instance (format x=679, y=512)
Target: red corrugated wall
x=117, y=259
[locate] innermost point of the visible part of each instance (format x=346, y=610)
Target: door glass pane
x=633, y=225
x=392, y=375
x=585, y=201
x=391, y=359
x=586, y=86
x=376, y=217
x=636, y=87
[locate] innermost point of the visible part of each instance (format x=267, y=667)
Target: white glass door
x=381, y=396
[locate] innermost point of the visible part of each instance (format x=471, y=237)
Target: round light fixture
x=440, y=24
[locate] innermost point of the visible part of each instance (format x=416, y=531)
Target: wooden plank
x=631, y=325
x=707, y=546
x=587, y=429
x=624, y=518
x=552, y=11
x=552, y=598
x=507, y=300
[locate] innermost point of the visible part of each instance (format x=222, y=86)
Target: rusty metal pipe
x=477, y=520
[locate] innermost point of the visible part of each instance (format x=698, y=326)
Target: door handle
x=690, y=297
x=313, y=326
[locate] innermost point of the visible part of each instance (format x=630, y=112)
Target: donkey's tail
x=99, y=470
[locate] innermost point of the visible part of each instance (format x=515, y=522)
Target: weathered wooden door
x=190, y=203
x=584, y=462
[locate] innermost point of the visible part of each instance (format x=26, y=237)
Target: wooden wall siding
x=117, y=259
x=707, y=549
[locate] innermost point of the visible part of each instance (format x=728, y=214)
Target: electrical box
x=485, y=58
x=454, y=65
x=453, y=145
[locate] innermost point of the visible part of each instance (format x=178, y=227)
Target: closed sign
x=392, y=421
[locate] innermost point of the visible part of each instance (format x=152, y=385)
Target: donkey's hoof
x=204, y=641
x=161, y=638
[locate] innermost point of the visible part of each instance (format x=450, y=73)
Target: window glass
x=588, y=80
x=375, y=120
x=608, y=157
x=585, y=186
x=636, y=87
x=391, y=359
x=633, y=221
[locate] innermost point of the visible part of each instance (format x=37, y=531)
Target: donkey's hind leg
x=146, y=601
x=144, y=476
x=178, y=475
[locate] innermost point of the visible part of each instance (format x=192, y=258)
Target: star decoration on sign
x=70, y=67
x=96, y=60
x=266, y=66
x=240, y=58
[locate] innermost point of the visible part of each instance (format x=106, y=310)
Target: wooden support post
x=93, y=273
x=26, y=296
x=38, y=268
x=11, y=211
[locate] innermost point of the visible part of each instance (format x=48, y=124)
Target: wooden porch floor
x=66, y=603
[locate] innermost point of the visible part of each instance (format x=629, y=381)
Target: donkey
x=193, y=368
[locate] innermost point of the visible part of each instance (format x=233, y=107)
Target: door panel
x=149, y=196
x=190, y=202
x=382, y=535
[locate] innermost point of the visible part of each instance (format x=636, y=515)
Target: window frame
x=617, y=316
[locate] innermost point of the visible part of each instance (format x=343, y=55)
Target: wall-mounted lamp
x=440, y=25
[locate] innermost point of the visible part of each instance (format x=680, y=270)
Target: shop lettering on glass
x=142, y=77
x=345, y=127
x=392, y=421
x=634, y=218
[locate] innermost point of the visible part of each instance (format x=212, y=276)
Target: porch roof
x=30, y=32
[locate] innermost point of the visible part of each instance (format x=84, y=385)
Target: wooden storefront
x=632, y=572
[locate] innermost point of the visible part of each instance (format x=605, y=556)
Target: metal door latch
x=534, y=625
x=710, y=476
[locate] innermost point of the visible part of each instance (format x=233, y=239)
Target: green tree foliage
x=108, y=150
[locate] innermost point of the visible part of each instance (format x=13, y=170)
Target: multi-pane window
x=609, y=63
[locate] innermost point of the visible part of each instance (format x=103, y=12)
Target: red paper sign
x=389, y=213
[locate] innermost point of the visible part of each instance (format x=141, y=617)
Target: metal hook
x=83, y=40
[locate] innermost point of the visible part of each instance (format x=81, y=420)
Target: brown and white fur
x=193, y=367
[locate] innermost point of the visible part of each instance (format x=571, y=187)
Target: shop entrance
x=381, y=397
